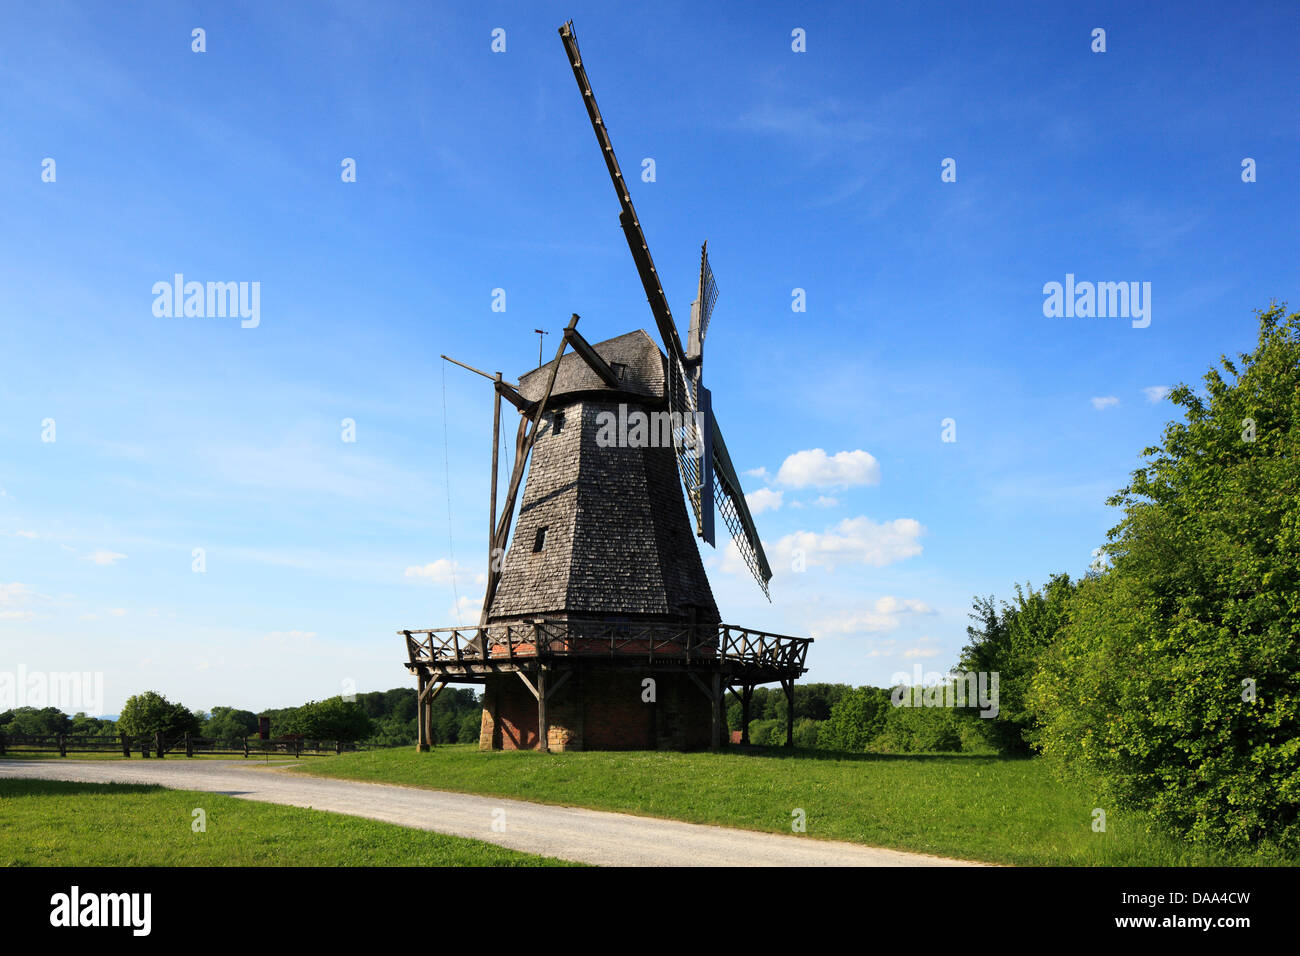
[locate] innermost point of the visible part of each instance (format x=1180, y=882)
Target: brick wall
x=598, y=709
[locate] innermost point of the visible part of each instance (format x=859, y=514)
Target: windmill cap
x=638, y=356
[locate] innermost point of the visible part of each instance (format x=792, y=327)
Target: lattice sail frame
x=688, y=438
x=708, y=292
x=729, y=498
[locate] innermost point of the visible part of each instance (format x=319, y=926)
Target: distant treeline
x=858, y=719
x=381, y=719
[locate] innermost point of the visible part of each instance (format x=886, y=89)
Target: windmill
x=599, y=629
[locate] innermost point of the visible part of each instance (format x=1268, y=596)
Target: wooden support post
x=788, y=686
x=421, y=717
x=717, y=711
x=144, y=747
x=543, y=737
x=189, y=745
x=63, y=745
x=158, y=744
x=747, y=695
x=2, y=743
x=245, y=748
x=428, y=716
x=126, y=746
x=496, y=448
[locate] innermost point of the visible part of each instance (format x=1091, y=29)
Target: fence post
x=63, y=746
x=126, y=746
x=158, y=743
x=2, y=743
x=144, y=747
x=296, y=743
x=338, y=747
x=245, y=748
x=189, y=745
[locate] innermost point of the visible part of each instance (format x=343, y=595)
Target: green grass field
x=972, y=807
x=56, y=823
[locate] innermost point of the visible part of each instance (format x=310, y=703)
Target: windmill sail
x=636, y=241
x=730, y=499
x=702, y=308
x=710, y=479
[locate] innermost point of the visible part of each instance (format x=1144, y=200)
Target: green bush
x=855, y=720
x=806, y=732
x=919, y=730
x=766, y=733
x=1009, y=641
x=470, y=725
x=1174, y=683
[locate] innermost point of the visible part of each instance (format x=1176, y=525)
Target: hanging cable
x=446, y=457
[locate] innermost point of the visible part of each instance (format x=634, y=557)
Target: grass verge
x=985, y=808
x=59, y=823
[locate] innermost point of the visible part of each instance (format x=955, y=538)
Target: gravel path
x=589, y=836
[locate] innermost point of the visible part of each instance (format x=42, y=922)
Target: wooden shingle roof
x=636, y=353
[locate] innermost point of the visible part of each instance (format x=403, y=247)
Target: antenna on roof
x=540, y=333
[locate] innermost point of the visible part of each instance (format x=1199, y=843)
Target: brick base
x=598, y=709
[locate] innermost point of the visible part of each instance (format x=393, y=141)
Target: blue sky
x=478, y=170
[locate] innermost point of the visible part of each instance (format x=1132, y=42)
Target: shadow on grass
x=17, y=787
x=802, y=753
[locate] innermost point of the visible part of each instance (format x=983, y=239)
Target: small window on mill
x=540, y=541
x=557, y=423
x=619, y=369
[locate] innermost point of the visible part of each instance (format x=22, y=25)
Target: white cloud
x=913, y=652
x=882, y=617
x=15, y=599
x=853, y=541
x=826, y=501
x=759, y=472
x=1156, y=393
x=814, y=468
x=20, y=534
x=1104, y=402
x=466, y=611
x=442, y=571
x=104, y=558
x=765, y=499
x=893, y=605
x=117, y=611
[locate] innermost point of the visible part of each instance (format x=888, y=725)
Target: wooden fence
x=159, y=745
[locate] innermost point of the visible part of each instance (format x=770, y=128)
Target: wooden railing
x=563, y=638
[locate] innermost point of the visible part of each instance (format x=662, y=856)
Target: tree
x=150, y=713
x=330, y=719
x=29, y=720
x=1009, y=641
x=470, y=725
x=919, y=730
x=1174, y=682
x=855, y=721
x=228, y=723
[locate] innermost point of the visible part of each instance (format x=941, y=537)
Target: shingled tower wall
x=617, y=546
